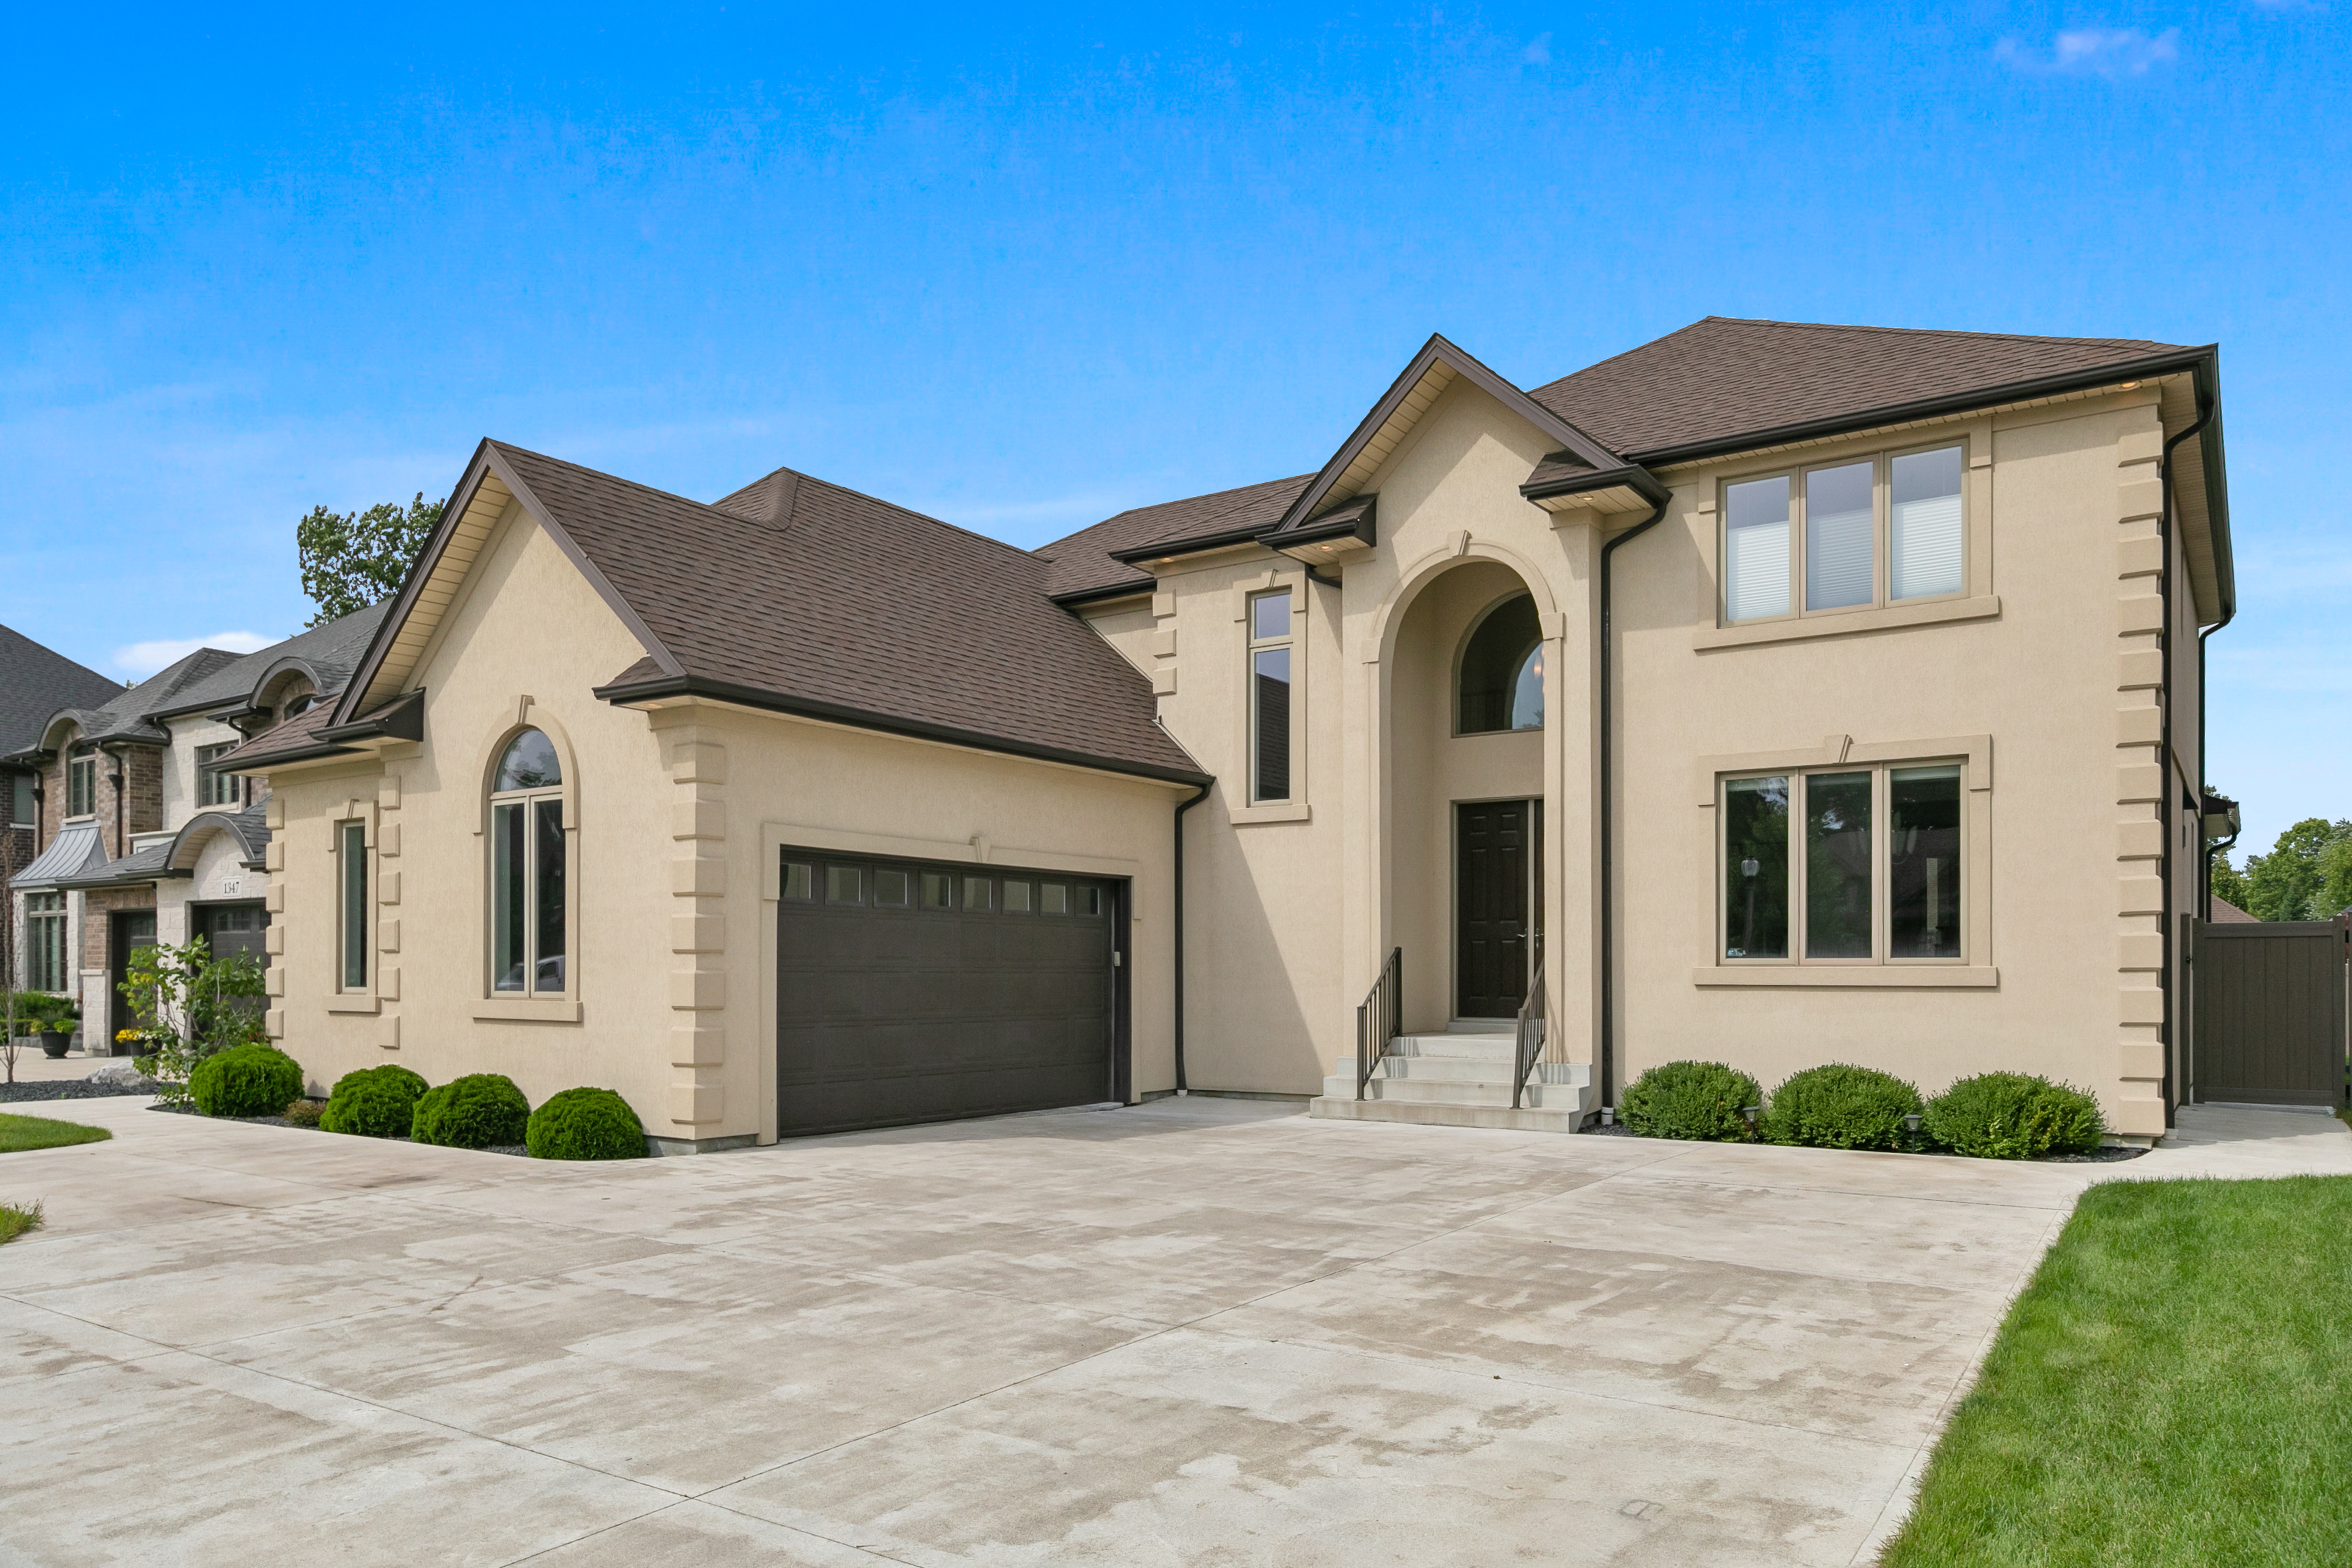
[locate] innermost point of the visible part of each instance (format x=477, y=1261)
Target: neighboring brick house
x=35, y=683
x=131, y=838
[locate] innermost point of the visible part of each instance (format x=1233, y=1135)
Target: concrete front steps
x=1458, y=1078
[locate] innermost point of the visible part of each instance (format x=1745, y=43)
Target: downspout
x=1608, y=796
x=1199, y=795
x=2164, y=733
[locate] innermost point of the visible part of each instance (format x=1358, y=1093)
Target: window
x=529, y=855
x=1053, y=899
x=844, y=885
x=1269, y=698
x=1501, y=684
x=890, y=888
x=351, y=870
x=939, y=890
x=20, y=800
x=1090, y=901
x=217, y=788
x=1842, y=866
x=1826, y=529
x=82, y=786
x=975, y=893
x=800, y=881
x=45, y=941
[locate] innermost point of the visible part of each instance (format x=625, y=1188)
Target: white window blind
x=1755, y=550
x=1839, y=525
x=1924, y=551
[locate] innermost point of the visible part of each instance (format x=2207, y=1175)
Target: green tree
x=192, y=1004
x=2291, y=882
x=350, y=560
x=2229, y=883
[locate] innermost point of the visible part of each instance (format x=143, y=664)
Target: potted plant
x=57, y=1027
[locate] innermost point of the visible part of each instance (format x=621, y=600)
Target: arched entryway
x=1466, y=697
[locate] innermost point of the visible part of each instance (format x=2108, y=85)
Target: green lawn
x=41, y=1132
x=2175, y=1386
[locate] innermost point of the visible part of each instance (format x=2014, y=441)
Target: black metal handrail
x=1380, y=1018
x=1530, y=1031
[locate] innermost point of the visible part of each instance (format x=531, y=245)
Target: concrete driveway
x=1200, y=1331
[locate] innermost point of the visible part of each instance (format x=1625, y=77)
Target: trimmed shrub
x=1841, y=1107
x=585, y=1124
x=305, y=1112
x=373, y=1102
x=1691, y=1100
x=2014, y=1115
x=245, y=1081
x=475, y=1111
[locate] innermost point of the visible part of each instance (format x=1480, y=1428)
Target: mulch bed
x=2105, y=1155
x=519, y=1149
x=67, y=1089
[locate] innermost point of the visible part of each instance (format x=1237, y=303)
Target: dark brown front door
x=1492, y=860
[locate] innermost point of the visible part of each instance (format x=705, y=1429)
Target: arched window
x=528, y=903
x=1502, y=671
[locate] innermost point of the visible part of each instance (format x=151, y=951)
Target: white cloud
x=2110, y=52
x=1540, y=52
x=141, y=659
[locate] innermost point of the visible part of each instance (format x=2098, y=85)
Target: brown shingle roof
x=1722, y=380
x=1082, y=563
x=848, y=605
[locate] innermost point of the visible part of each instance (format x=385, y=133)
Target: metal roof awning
x=75, y=852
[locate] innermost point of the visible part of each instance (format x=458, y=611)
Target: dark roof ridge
x=1924, y=331
x=1180, y=501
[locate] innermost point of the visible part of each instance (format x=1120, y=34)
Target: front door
x=1494, y=862
x=131, y=929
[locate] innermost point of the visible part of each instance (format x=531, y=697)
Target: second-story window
x=20, y=800
x=1844, y=536
x=82, y=786
x=217, y=788
x=1270, y=649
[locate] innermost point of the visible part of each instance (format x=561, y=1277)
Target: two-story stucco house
x=139, y=840
x=1776, y=693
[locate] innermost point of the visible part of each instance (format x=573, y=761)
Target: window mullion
x=1882, y=865
x=1799, y=934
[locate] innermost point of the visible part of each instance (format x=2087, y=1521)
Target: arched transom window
x=1502, y=671
x=527, y=901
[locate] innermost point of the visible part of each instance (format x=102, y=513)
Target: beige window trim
x=1973, y=970
x=527, y=1009
x=1852, y=976
x=1240, y=810
x=1847, y=623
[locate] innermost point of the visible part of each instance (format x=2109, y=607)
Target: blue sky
x=1076, y=261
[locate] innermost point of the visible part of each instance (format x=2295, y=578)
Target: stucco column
x=1571, y=788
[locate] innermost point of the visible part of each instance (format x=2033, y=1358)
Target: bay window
x=1883, y=529
x=1840, y=865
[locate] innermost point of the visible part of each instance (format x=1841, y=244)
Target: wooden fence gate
x=2271, y=1011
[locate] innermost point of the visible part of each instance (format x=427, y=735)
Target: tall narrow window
x=1924, y=525
x=1756, y=548
x=1756, y=865
x=45, y=941
x=1269, y=655
x=82, y=786
x=1845, y=865
x=351, y=868
x=1923, y=873
x=20, y=800
x=530, y=872
x=1501, y=683
x=1839, y=531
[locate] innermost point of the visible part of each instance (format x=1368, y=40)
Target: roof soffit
x=437, y=582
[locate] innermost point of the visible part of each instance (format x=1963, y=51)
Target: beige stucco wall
x=674, y=817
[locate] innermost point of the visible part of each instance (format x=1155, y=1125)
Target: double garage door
x=915, y=992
